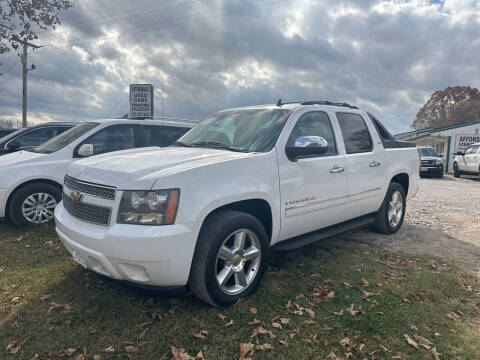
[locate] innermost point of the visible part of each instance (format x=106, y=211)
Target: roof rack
x=317, y=102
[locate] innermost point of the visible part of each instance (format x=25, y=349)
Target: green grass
x=409, y=291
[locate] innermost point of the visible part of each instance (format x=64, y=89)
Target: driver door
x=313, y=189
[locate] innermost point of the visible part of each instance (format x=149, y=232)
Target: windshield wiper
x=217, y=145
x=180, y=143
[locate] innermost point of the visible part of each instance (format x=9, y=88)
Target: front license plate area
x=423, y=169
x=79, y=259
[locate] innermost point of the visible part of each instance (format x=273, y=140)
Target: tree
x=465, y=111
x=21, y=19
x=435, y=112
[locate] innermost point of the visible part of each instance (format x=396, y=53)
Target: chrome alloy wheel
x=238, y=261
x=395, y=209
x=38, y=208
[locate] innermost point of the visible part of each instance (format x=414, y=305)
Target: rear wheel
x=456, y=171
x=390, y=217
x=230, y=258
x=34, y=204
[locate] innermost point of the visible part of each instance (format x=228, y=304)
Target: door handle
x=374, y=164
x=337, y=169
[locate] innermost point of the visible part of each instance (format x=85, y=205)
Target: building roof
x=431, y=130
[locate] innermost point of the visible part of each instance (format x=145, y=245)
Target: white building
x=446, y=140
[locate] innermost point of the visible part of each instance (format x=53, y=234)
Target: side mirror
x=85, y=150
x=13, y=145
x=440, y=156
x=460, y=153
x=307, y=146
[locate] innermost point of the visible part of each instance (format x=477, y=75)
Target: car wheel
x=230, y=258
x=390, y=217
x=456, y=171
x=34, y=204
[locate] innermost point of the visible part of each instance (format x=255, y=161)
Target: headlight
x=438, y=162
x=157, y=207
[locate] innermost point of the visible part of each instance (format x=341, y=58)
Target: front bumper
x=147, y=255
x=431, y=170
x=3, y=202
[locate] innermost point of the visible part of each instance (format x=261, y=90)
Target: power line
x=186, y=19
x=115, y=17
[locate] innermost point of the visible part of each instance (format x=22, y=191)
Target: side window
x=37, y=137
x=355, y=133
x=112, y=138
x=156, y=135
x=315, y=123
x=469, y=150
x=62, y=129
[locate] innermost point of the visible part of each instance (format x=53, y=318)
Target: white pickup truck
x=467, y=162
x=206, y=211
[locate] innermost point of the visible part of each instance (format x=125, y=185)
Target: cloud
x=385, y=56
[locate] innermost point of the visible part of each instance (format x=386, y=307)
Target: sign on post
x=464, y=141
x=141, y=101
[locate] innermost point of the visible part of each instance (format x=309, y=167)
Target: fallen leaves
x=15, y=346
x=435, y=354
x=261, y=331
x=264, y=347
x=181, y=354
x=109, y=349
x=427, y=344
x=201, y=334
x=253, y=310
x=410, y=341
x=310, y=312
x=130, y=349
x=365, y=282
x=245, y=349
x=54, y=306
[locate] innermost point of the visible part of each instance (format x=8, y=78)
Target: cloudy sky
x=205, y=55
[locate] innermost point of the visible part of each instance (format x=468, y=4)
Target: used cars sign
x=141, y=101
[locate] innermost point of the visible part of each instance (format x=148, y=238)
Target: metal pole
x=24, y=63
x=163, y=107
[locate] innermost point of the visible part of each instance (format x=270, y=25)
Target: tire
x=456, y=171
x=383, y=223
x=440, y=175
x=27, y=198
x=222, y=230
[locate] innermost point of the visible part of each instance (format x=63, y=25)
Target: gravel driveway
x=442, y=220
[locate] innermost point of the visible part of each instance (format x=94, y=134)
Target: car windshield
x=12, y=135
x=429, y=152
x=254, y=130
x=64, y=139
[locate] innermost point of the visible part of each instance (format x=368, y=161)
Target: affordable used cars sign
x=141, y=101
x=464, y=141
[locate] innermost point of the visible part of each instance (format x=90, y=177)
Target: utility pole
x=24, y=59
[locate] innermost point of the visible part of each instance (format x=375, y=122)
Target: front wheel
x=34, y=204
x=456, y=171
x=390, y=217
x=230, y=258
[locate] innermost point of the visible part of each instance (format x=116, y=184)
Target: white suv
x=468, y=161
x=31, y=180
x=205, y=211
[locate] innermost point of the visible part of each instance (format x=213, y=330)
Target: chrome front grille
x=91, y=213
x=102, y=191
x=428, y=162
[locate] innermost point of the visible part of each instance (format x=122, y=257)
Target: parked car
x=30, y=137
x=206, y=211
x=431, y=162
x=468, y=161
x=31, y=181
x=4, y=131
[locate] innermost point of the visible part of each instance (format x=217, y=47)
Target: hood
x=431, y=158
x=138, y=169
x=20, y=158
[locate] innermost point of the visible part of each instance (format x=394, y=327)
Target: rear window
x=355, y=133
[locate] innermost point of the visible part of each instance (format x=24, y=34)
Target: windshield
x=238, y=130
x=428, y=152
x=64, y=139
x=12, y=135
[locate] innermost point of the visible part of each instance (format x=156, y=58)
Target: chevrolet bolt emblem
x=76, y=196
